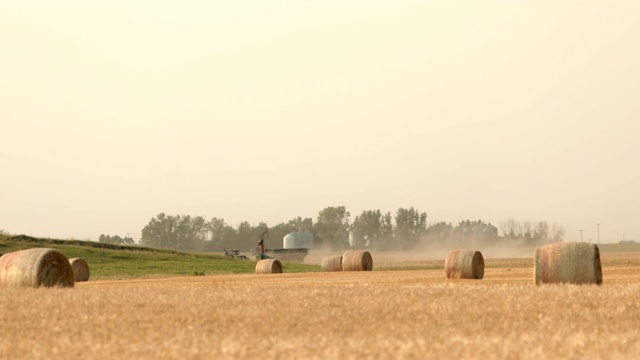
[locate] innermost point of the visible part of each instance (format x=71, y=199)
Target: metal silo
x=289, y=241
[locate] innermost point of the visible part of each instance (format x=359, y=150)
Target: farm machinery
x=234, y=254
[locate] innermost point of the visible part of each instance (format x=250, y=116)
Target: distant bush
x=627, y=242
x=116, y=240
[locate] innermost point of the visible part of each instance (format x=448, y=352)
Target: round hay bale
x=464, y=264
x=34, y=268
x=269, y=266
x=80, y=269
x=357, y=261
x=571, y=262
x=332, y=263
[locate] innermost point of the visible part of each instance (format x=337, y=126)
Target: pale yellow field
x=380, y=314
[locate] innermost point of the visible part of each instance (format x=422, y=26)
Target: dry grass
x=381, y=314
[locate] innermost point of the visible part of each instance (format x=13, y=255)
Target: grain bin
x=80, y=269
x=34, y=268
x=332, y=263
x=269, y=266
x=357, y=261
x=289, y=241
x=308, y=239
x=464, y=264
x=571, y=262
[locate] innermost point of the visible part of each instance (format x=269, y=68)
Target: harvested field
x=379, y=314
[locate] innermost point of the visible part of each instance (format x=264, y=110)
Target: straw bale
x=571, y=262
x=34, y=268
x=269, y=266
x=332, y=263
x=80, y=269
x=357, y=261
x=464, y=264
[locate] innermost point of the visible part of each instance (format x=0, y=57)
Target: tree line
x=333, y=229
x=116, y=240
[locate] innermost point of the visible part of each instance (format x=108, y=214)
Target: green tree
x=244, y=236
x=439, y=232
x=368, y=226
x=220, y=235
x=300, y=224
x=410, y=226
x=116, y=240
x=182, y=233
x=332, y=227
x=190, y=233
x=159, y=232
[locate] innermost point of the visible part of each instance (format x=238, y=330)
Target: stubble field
x=382, y=314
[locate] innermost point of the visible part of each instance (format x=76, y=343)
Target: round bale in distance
x=357, y=261
x=570, y=262
x=269, y=266
x=464, y=264
x=332, y=263
x=80, y=269
x=34, y=268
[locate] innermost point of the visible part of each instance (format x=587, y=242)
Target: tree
x=115, y=240
x=221, y=235
x=182, y=233
x=541, y=232
x=410, y=225
x=387, y=231
x=159, y=232
x=190, y=233
x=301, y=224
x=557, y=232
x=332, y=226
x=368, y=226
x=532, y=232
x=439, y=231
x=527, y=231
x=510, y=228
x=245, y=237
x=278, y=232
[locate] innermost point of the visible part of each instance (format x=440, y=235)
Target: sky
x=112, y=112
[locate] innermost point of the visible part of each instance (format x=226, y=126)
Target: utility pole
x=581, y=230
x=598, y=233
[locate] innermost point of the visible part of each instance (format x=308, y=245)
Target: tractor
x=234, y=254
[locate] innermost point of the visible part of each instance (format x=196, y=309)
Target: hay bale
x=571, y=262
x=357, y=261
x=34, y=268
x=269, y=266
x=464, y=264
x=80, y=269
x=332, y=263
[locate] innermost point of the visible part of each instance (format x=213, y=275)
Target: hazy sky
x=114, y=111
